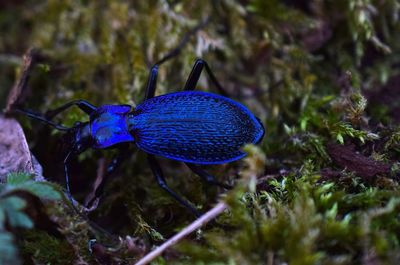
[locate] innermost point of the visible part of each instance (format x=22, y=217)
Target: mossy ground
x=323, y=76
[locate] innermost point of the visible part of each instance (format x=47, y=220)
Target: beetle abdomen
x=194, y=127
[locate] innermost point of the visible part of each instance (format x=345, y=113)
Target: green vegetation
x=323, y=76
x=13, y=205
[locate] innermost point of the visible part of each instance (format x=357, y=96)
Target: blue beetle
x=193, y=127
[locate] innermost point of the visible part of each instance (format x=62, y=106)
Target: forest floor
x=322, y=187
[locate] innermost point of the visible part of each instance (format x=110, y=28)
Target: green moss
x=43, y=248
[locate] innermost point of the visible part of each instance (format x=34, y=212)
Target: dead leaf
x=347, y=158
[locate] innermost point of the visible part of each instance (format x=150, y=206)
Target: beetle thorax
x=108, y=126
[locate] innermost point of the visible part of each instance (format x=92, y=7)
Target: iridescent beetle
x=197, y=128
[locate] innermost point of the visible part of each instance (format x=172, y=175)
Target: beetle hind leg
x=152, y=80
x=207, y=176
x=194, y=76
x=158, y=174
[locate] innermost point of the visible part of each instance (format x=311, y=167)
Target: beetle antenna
x=184, y=41
x=39, y=117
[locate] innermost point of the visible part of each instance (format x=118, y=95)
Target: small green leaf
x=340, y=139
x=17, y=178
x=42, y=190
x=2, y=218
x=8, y=250
x=23, y=181
x=332, y=213
x=13, y=202
x=287, y=129
x=12, y=207
x=44, y=67
x=303, y=123
x=19, y=219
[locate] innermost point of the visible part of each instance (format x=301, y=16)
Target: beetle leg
x=80, y=103
x=39, y=117
x=152, y=82
x=71, y=199
x=114, y=164
x=207, y=176
x=194, y=76
x=156, y=169
x=183, y=41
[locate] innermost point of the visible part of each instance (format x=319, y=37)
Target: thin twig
x=16, y=94
x=205, y=218
x=89, y=203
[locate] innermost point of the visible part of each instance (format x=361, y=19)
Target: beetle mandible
x=197, y=128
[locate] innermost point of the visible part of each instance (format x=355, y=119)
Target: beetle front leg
x=194, y=77
x=71, y=199
x=158, y=174
x=207, y=176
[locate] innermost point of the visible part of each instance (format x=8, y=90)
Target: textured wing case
x=195, y=127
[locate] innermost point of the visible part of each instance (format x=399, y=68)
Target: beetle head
x=78, y=138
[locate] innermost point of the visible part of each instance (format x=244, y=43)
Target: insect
x=197, y=128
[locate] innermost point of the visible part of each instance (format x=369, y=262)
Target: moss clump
x=41, y=247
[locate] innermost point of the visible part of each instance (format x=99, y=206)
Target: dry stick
x=19, y=90
x=205, y=218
